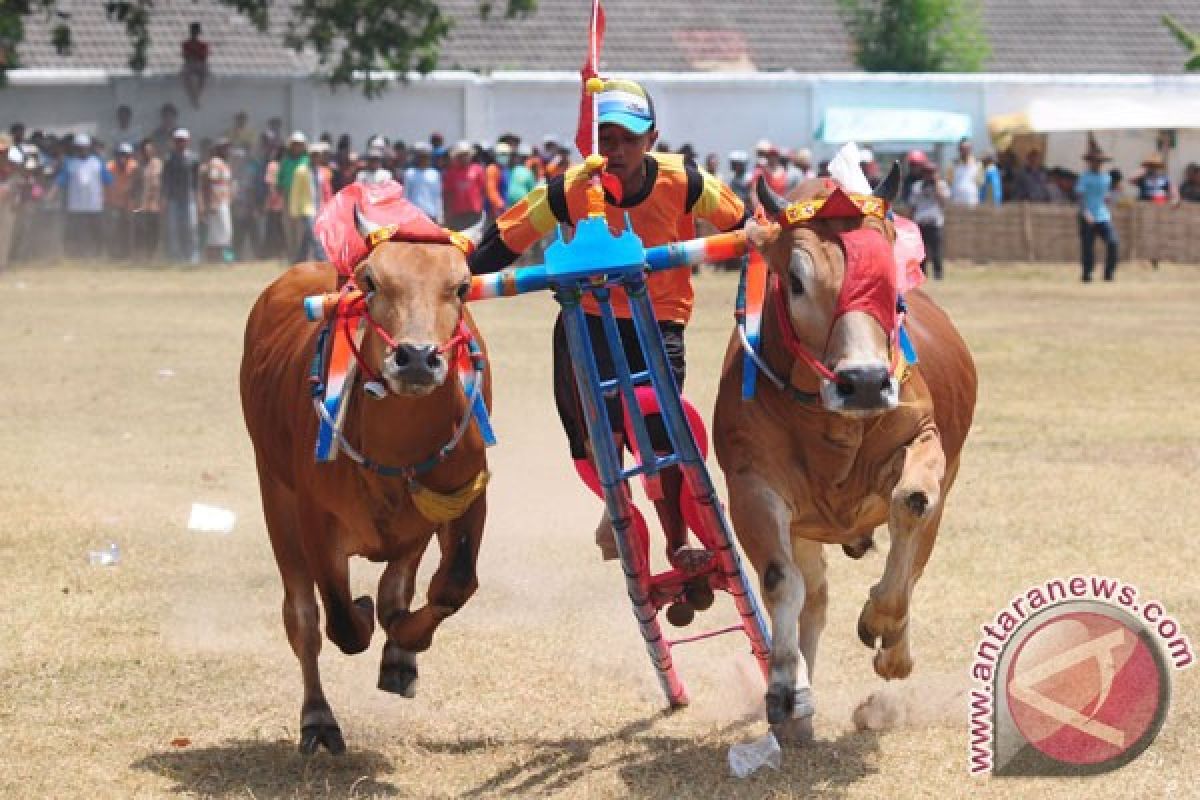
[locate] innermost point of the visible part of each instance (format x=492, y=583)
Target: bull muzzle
x=415, y=368
x=861, y=389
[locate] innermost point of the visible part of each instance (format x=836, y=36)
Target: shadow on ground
x=667, y=766
x=252, y=768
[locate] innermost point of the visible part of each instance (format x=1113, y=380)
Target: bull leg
x=398, y=668
x=301, y=618
x=763, y=523
x=912, y=523
x=348, y=623
x=451, y=586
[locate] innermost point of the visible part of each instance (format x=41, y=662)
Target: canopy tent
x=1089, y=114
x=892, y=125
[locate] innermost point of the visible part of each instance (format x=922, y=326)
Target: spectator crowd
x=137, y=195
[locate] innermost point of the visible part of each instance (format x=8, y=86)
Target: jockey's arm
x=515, y=231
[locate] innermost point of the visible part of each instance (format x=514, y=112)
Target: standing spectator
x=496, y=180
x=343, y=159
x=1092, y=187
x=168, y=123
x=521, y=179
x=195, y=64
x=557, y=157
x=180, y=179
x=869, y=167
x=803, y=159
x=374, y=172
x=462, y=189
x=247, y=177
x=927, y=198
x=10, y=194
x=148, y=213
x=992, y=190
x=83, y=178
x=272, y=238
x=771, y=168
x=423, y=183
x=293, y=224
x=1031, y=183
x=738, y=177
x=1189, y=189
x=966, y=176
x=302, y=204
x=125, y=131
x=795, y=175
x=120, y=201
x=218, y=242
x=240, y=134
x=712, y=164
x=1153, y=185
x=322, y=172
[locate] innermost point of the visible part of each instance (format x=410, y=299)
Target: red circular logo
x=1086, y=688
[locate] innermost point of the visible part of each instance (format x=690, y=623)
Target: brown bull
x=848, y=443
x=318, y=515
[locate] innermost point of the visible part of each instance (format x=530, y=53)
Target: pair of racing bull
x=805, y=468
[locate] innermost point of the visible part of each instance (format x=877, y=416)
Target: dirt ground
x=170, y=675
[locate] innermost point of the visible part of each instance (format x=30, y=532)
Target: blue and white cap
x=627, y=104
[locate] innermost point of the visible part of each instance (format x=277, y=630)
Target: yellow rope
x=440, y=508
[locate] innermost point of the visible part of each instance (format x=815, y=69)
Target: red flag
x=583, y=135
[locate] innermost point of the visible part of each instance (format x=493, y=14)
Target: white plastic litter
x=747, y=758
x=211, y=519
x=166, y=372
x=109, y=556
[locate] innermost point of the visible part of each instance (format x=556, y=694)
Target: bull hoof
x=398, y=672
x=860, y=548
x=918, y=503
x=399, y=680
x=313, y=737
x=794, y=732
x=864, y=632
x=781, y=702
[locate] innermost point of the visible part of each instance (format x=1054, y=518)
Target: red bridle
x=353, y=304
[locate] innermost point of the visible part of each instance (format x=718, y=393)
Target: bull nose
x=863, y=387
x=419, y=363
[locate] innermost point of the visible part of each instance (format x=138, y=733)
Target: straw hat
x=1094, y=153
x=1154, y=160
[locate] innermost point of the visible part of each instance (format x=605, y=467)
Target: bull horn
x=475, y=232
x=365, y=226
x=772, y=202
x=890, y=186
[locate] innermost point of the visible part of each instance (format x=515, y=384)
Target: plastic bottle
x=108, y=556
x=747, y=758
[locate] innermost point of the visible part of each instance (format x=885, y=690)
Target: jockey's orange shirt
x=663, y=212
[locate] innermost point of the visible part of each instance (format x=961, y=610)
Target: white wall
x=714, y=112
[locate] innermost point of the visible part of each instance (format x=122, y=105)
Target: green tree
x=353, y=40
x=1189, y=40
x=917, y=35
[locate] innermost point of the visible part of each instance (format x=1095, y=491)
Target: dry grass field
x=169, y=675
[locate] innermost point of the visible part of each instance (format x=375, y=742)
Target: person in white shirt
x=423, y=183
x=966, y=176
x=83, y=177
x=374, y=172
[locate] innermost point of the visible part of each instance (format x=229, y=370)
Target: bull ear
x=364, y=226
x=890, y=185
x=772, y=202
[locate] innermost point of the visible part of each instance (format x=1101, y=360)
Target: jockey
x=662, y=196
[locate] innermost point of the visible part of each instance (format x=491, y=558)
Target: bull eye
x=369, y=283
x=462, y=290
x=797, y=285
